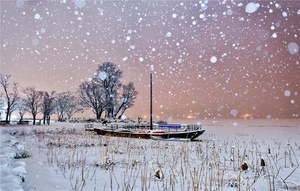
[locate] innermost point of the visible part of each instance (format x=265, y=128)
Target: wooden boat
x=162, y=131
x=148, y=134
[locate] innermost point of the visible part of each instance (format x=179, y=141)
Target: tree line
x=104, y=94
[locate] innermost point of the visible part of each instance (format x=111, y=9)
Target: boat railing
x=113, y=126
x=194, y=127
x=166, y=127
x=179, y=127
x=89, y=127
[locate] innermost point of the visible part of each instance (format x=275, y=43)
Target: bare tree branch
x=128, y=96
x=67, y=105
x=92, y=95
x=109, y=77
x=48, y=106
x=10, y=97
x=33, y=99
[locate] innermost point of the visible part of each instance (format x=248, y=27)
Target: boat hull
x=148, y=135
x=171, y=139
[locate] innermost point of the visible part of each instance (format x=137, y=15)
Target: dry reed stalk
x=144, y=178
x=200, y=174
x=238, y=153
x=285, y=155
x=232, y=154
x=210, y=175
x=172, y=182
x=111, y=180
x=135, y=178
x=218, y=175
x=290, y=154
x=205, y=179
x=269, y=179
x=284, y=180
x=173, y=179
x=252, y=156
x=275, y=164
x=150, y=175
x=199, y=150
x=207, y=150
x=257, y=159
x=222, y=179
x=278, y=148
x=94, y=175
x=295, y=156
x=181, y=181
x=214, y=166
x=239, y=180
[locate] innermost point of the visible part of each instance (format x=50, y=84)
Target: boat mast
x=151, y=125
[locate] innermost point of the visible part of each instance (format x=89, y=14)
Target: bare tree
x=12, y=109
x=1, y=100
x=67, y=105
x=127, y=99
x=92, y=95
x=109, y=77
x=10, y=97
x=48, y=106
x=33, y=99
x=102, y=92
x=62, y=102
x=21, y=108
x=1, y=104
x=73, y=107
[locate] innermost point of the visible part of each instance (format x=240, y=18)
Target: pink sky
x=209, y=59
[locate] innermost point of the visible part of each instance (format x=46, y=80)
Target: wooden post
x=151, y=125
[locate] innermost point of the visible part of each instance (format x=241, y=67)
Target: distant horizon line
x=165, y=120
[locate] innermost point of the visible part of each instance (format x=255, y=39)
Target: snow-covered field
x=231, y=155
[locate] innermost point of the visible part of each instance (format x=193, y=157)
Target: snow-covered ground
x=64, y=157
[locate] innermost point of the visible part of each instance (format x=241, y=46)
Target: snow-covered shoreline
x=13, y=171
x=65, y=157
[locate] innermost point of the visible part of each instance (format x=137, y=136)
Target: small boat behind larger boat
x=166, y=133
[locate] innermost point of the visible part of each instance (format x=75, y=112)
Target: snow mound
x=12, y=171
x=19, y=163
x=11, y=186
x=20, y=147
x=3, y=162
x=20, y=170
x=11, y=179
